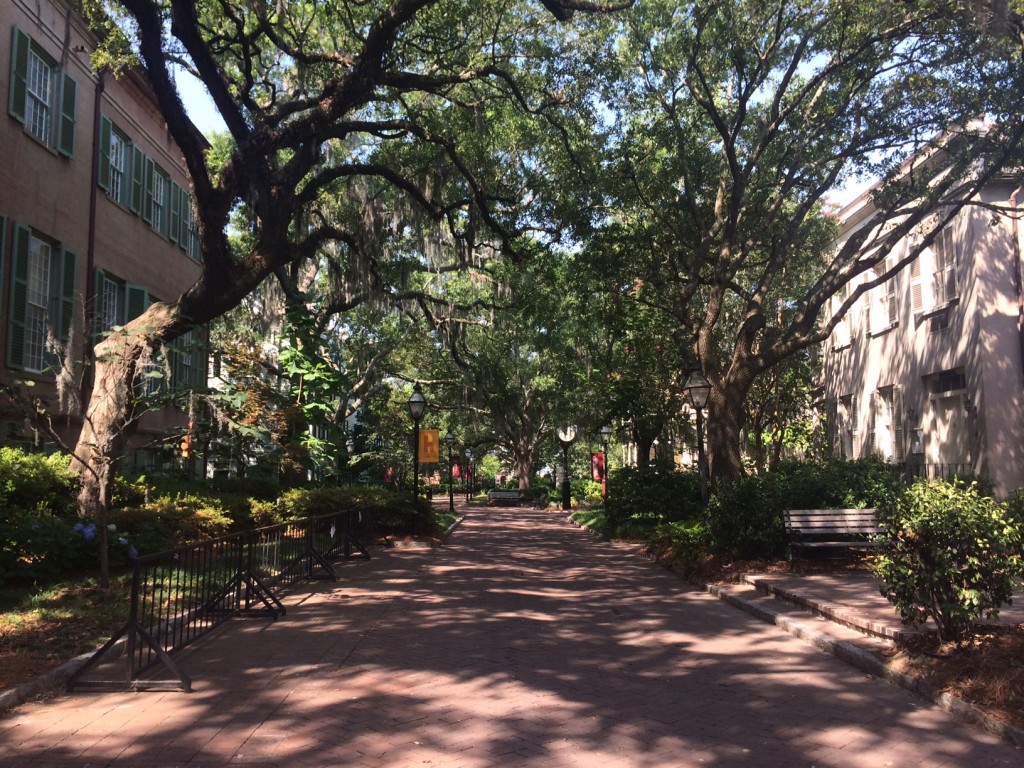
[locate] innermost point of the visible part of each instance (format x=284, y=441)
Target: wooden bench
x=509, y=498
x=830, y=529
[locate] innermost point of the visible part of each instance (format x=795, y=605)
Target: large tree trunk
x=524, y=465
x=724, y=424
x=112, y=414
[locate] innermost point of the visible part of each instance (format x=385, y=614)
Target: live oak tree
x=736, y=118
x=319, y=99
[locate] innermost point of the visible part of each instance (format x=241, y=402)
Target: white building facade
x=926, y=369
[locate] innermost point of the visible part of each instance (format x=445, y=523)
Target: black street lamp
x=449, y=440
x=698, y=389
x=566, y=435
x=417, y=407
x=606, y=433
x=469, y=473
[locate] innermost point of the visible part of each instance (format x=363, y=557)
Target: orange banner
x=429, y=444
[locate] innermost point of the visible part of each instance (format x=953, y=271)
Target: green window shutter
x=3, y=243
x=97, y=321
x=175, y=214
x=165, y=182
x=66, y=126
x=69, y=263
x=198, y=361
x=138, y=176
x=186, y=219
x=147, y=192
x=18, y=91
x=106, y=130
x=18, y=308
x=136, y=301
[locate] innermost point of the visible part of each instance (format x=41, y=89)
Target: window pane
x=117, y=166
x=38, y=299
x=39, y=85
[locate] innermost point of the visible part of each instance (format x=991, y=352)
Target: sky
x=199, y=104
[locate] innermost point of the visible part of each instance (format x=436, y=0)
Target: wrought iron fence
x=181, y=595
x=910, y=472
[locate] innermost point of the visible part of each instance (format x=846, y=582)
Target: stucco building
x=95, y=217
x=926, y=369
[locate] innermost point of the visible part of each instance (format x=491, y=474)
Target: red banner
x=597, y=467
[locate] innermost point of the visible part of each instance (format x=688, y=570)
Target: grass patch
x=41, y=628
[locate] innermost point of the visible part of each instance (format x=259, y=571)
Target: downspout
x=1018, y=278
x=90, y=253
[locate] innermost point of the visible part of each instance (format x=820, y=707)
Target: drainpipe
x=90, y=252
x=1018, y=279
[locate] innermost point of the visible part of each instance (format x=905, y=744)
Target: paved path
x=524, y=642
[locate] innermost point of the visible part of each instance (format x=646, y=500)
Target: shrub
x=745, y=515
x=744, y=518
x=37, y=482
x=642, y=499
x=949, y=554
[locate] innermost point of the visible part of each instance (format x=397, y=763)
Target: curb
x=962, y=710
x=44, y=683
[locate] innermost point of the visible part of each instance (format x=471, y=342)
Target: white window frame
x=39, y=96
x=37, y=315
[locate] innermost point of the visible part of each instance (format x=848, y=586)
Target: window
x=42, y=299
x=933, y=283
x=41, y=97
x=109, y=301
x=116, y=302
x=118, y=148
x=188, y=362
x=154, y=197
x=39, y=87
x=887, y=425
x=841, y=333
x=847, y=425
x=948, y=381
x=159, y=203
x=882, y=308
x=36, y=320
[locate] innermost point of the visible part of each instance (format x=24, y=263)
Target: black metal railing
x=182, y=594
x=909, y=472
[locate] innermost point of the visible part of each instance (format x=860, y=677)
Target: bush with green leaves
x=37, y=481
x=639, y=500
x=745, y=516
x=949, y=554
x=37, y=495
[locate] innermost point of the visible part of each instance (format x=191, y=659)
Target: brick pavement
x=524, y=642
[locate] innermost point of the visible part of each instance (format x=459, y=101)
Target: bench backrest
x=826, y=521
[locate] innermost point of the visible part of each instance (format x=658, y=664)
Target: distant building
x=95, y=216
x=926, y=369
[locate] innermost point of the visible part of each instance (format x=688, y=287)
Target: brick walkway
x=524, y=642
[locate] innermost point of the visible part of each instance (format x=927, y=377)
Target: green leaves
x=950, y=555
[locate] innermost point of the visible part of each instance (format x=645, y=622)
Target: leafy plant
x=950, y=555
x=644, y=498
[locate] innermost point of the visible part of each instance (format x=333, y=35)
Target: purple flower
x=132, y=553
x=89, y=532
x=122, y=540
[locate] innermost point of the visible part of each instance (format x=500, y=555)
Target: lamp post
x=469, y=473
x=566, y=435
x=698, y=389
x=606, y=433
x=449, y=440
x=417, y=407
x=350, y=449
